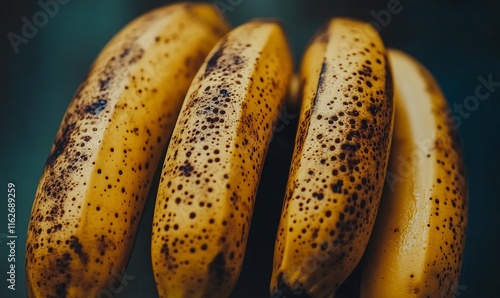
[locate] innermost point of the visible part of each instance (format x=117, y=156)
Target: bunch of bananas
x=179, y=80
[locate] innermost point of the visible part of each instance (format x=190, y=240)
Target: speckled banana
x=95, y=182
x=418, y=240
x=213, y=164
x=339, y=161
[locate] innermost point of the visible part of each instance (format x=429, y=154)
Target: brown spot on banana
x=93, y=188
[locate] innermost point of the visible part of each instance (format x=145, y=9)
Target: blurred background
x=458, y=41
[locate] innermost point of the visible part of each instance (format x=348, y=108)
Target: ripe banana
x=213, y=164
x=93, y=188
x=339, y=161
x=418, y=240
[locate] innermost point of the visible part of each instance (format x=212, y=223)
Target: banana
x=418, y=240
x=93, y=188
x=339, y=161
x=213, y=164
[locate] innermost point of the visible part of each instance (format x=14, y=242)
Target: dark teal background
x=456, y=40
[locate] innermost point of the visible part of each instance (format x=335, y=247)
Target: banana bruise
x=96, y=179
x=213, y=164
x=418, y=240
x=339, y=161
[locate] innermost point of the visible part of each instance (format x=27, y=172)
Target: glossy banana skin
x=339, y=161
x=418, y=242
x=94, y=185
x=213, y=164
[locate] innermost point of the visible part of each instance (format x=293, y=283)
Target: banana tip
x=284, y=290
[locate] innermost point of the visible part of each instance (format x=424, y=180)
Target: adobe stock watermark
x=284, y=119
x=226, y=5
x=308, y=266
x=116, y=285
x=471, y=103
x=30, y=27
x=454, y=287
x=383, y=17
x=407, y=165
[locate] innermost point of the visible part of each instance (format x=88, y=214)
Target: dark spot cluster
x=211, y=64
x=338, y=168
x=215, y=157
x=448, y=219
x=96, y=107
x=63, y=138
x=113, y=134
